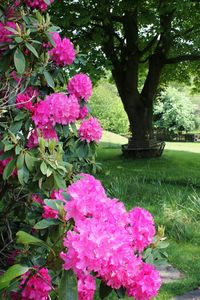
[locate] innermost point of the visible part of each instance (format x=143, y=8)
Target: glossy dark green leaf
x=53, y=203
x=49, y=79
x=32, y=49
x=9, y=169
x=68, y=286
x=104, y=290
x=28, y=239
x=46, y=223
x=43, y=168
x=30, y=161
x=19, y=61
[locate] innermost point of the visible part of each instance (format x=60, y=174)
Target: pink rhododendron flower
x=46, y=133
x=101, y=242
x=147, y=283
x=37, y=287
x=63, y=53
x=25, y=99
x=86, y=287
x=38, y=4
x=56, y=108
x=37, y=198
x=49, y=212
x=141, y=228
x=81, y=86
x=5, y=33
x=90, y=130
x=84, y=111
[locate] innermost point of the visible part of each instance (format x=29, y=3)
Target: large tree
x=133, y=37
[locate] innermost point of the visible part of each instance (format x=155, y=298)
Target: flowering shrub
x=60, y=232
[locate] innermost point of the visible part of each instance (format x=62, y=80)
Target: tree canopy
x=140, y=41
x=108, y=31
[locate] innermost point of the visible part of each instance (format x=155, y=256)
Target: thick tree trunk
x=139, y=106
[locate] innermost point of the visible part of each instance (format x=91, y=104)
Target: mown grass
x=169, y=187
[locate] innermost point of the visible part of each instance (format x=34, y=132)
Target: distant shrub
x=174, y=111
x=107, y=107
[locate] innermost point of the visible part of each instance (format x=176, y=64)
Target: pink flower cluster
x=46, y=133
x=90, y=130
x=63, y=53
x=84, y=111
x=5, y=33
x=104, y=241
x=25, y=99
x=38, y=4
x=56, y=108
x=81, y=86
x=141, y=228
x=37, y=287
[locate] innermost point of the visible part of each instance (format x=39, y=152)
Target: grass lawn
x=169, y=187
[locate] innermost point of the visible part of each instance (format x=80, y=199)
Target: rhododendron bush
x=62, y=237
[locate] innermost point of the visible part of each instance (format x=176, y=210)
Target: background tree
x=134, y=37
x=106, y=106
x=175, y=111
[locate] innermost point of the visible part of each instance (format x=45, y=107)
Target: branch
x=149, y=45
x=182, y=58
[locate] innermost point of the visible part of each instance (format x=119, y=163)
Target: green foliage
x=174, y=111
x=107, y=107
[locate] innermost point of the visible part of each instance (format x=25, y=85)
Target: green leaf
x=6, y=155
x=68, y=286
x=66, y=196
x=15, y=127
x=20, y=161
x=43, y=168
x=20, y=176
x=11, y=29
x=66, y=130
x=18, y=40
x=27, y=239
x=54, y=204
x=30, y=161
x=121, y=292
x=59, y=181
x=9, y=169
x=20, y=116
x=18, y=149
x=32, y=49
x=19, y=60
x=49, y=79
x=46, y=223
x=104, y=290
x=49, y=36
x=47, y=2
x=8, y=147
x=162, y=245
x=13, y=272
x=73, y=126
